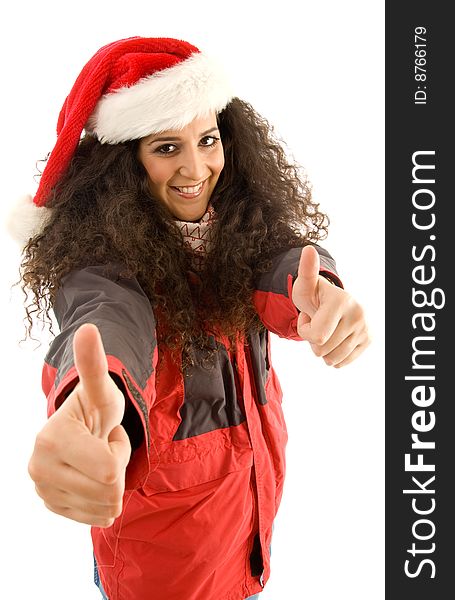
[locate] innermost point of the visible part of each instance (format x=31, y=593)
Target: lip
x=192, y=195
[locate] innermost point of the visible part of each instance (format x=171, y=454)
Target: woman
x=169, y=242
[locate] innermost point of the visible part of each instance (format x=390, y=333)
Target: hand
x=81, y=454
x=330, y=319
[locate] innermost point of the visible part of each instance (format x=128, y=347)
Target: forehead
x=195, y=129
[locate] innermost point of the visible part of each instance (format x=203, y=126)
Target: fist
x=331, y=320
x=81, y=454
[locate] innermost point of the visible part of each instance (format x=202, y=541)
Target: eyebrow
x=173, y=138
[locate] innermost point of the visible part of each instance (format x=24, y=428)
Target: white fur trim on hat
x=25, y=219
x=166, y=100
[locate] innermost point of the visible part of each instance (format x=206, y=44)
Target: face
x=183, y=166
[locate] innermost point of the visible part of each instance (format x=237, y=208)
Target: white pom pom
x=24, y=220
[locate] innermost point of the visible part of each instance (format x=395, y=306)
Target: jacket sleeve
x=123, y=314
x=272, y=297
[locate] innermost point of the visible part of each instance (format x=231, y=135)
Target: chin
x=192, y=215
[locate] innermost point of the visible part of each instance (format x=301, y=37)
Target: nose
x=193, y=165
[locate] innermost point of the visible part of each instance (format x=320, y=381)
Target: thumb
x=98, y=394
x=304, y=290
x=308, y=269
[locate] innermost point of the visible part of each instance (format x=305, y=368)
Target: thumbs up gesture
x=330, y=319
x=81, y=454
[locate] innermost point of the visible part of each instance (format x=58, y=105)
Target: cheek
x=157, y=171
x=218, y=164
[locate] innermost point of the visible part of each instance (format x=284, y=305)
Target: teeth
x=190, y=190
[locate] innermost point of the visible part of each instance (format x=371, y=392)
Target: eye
x=209, y=140
x=166, y=149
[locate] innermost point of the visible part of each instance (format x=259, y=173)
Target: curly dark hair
x=103, y=212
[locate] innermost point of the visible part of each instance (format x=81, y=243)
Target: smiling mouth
x=189, y=191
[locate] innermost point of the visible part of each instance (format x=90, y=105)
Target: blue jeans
x=96, y=577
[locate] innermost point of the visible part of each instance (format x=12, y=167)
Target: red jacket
x=205, y=482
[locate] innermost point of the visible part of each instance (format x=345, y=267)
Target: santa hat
x=129, y=89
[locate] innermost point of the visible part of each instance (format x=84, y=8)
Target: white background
x=315, y=70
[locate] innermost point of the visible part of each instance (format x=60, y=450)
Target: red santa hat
x=129, y=89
